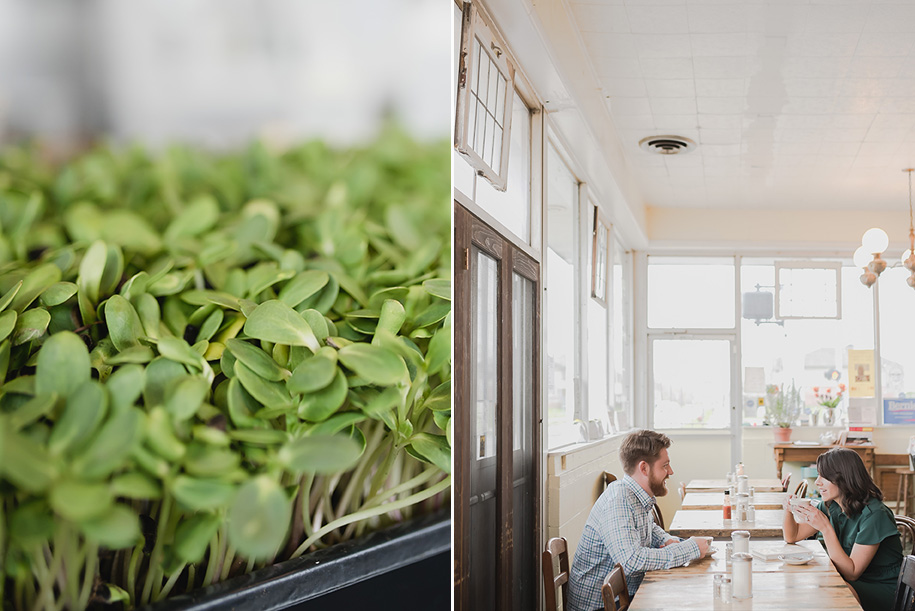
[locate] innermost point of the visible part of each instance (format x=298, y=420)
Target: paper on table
x=772, y=553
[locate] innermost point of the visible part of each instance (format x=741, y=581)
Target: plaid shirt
x=621, y=529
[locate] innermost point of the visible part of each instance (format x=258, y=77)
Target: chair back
x=615, y=586
x=785, y=481
x=906, y=527
x=656, y=513
x=609, y=478
x=682, y=491
x=905, y=585
x=557, y=550
x=801, y=490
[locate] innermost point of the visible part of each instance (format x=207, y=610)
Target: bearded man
x=621, y=527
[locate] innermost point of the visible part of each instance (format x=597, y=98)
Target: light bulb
x=861, y=257
x=875, y=240
x=908, y=260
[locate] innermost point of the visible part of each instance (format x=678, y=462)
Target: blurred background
x=219, y=73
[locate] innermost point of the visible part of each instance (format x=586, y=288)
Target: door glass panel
x=691, y=381
x=690, y=292
x=523, y=460
x=484, y=396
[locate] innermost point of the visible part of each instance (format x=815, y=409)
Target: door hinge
x=466, y=258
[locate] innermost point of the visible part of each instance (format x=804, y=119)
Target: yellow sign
x=861, y=373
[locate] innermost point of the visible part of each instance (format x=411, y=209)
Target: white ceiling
x=793, y=104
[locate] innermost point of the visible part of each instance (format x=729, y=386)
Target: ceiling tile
x=809, y=106
x=673, y=106
x=835, y=134
x=717, y=19
x=898, y=105
x=836, y=19
x=719, y=136
x=892, y=135
x=857, y=105
x=645, y=122
x=875, y=67
x=863, y=87
x=884, y=44
x=896, y=17
x=893, y=121
x=602, y=44
x=852, y=121
x=811, y=87
x=676, y=122
x=815, y=67
x=726, y=105
x=600, y=18
x=624, y=87
x=657, y=19
x=662, y=45
x=617, y=67
x=720, y=121
x=720, y=67
x=722, y=87
x=724, y=45
x=667, y=68
x=629, y=106
x=670, y=88
x=816, y=44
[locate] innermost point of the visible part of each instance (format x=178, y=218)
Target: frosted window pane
x=688, y=292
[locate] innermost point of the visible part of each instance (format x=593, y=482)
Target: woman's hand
x=813, y=516
x=787, y=501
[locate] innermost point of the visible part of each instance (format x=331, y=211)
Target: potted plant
x=829, y=398
x=782, y=409
x=211, y=364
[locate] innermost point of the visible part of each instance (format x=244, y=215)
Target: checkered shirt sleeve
x=621, y=529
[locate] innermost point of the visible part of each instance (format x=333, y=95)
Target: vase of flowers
x=782, y=407
x=829, y=398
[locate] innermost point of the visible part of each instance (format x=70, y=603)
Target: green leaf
x=30, y=325
x=125, y=386
x=205, y=460
x=205, y=297
x=160, y=435
x=10, y=295
x=77, y=501
x=85, y=409
x=184, y=401
x=123, y=322
x=118, y=528
x=37, y=282
x=269, y=394
x=25, y=462
x=149, y=313
x=197, y=217
x=200, y=494
x=439, y=287
x=256, y=360
x=31, y=524
x=58, y=294
x=32, y=410
x=109, y=450
x=439, y=353
x=303, y=286
x=390, y=320
x=320, y=405
x=401, y=225
x=435, y=313
x=382, y=403
x=337, y=423
x=323, y=454
x=137, y=354
x=7, y=323
x=434, y=449
x=317, y=322
x=313, y=374
x=125, y=228
x=376, y=364
x=266, y=437
x=276, y=322
x=91, y=270
x=259, y=518
x=440, y=398
x=211, y=325
x=137, y=486
x=265, y=275
x=179, y=351
x=241, y=405
x=161, y=376
x=193, y=535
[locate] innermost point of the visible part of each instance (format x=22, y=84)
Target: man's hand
x=703, y=544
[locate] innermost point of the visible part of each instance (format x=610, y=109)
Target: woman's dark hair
x=845, y=469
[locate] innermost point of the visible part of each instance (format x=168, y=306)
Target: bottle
x=726, y=506
x=742, y=575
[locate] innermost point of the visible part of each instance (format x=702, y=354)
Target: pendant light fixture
x=874, y=243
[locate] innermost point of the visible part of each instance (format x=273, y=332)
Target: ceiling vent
x=667, y=145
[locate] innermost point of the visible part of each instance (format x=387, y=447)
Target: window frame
x=835, y=266
x=476, y=26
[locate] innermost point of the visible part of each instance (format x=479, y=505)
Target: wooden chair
x=905, y=586
x=609, y=478
x=682, y=491
x=785, y=481
x=615, y=586
x=801, y=490
x=557, y=548
x=906, y=527
x=658, y=518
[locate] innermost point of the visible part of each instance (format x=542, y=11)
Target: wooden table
x=714, y=500
x=788, y=452
x=772, y=591
x=709, y=523
x=760, y=484
x=716, y=562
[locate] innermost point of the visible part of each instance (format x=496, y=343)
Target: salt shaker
x=743, y=504
x=728, y=552
x=752, y=495
x=751, y=514
x=723, y=588
x=741, y=540
x=730, y=477
x=742, y=575
x=743, y=484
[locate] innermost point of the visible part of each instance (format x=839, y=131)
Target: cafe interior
x=691, y=216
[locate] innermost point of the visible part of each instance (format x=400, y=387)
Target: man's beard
x=657, y=486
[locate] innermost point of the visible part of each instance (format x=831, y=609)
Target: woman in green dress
x=857, y=529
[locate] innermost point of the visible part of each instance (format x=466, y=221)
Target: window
x=812, y=353
x=807, y=290
x=686, y=292
x=897, y=328
x=561, y=299
x=485, y=84
x=621, y=336
x=597, y=337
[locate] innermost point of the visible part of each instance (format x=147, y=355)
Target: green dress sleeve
x=875, y=525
